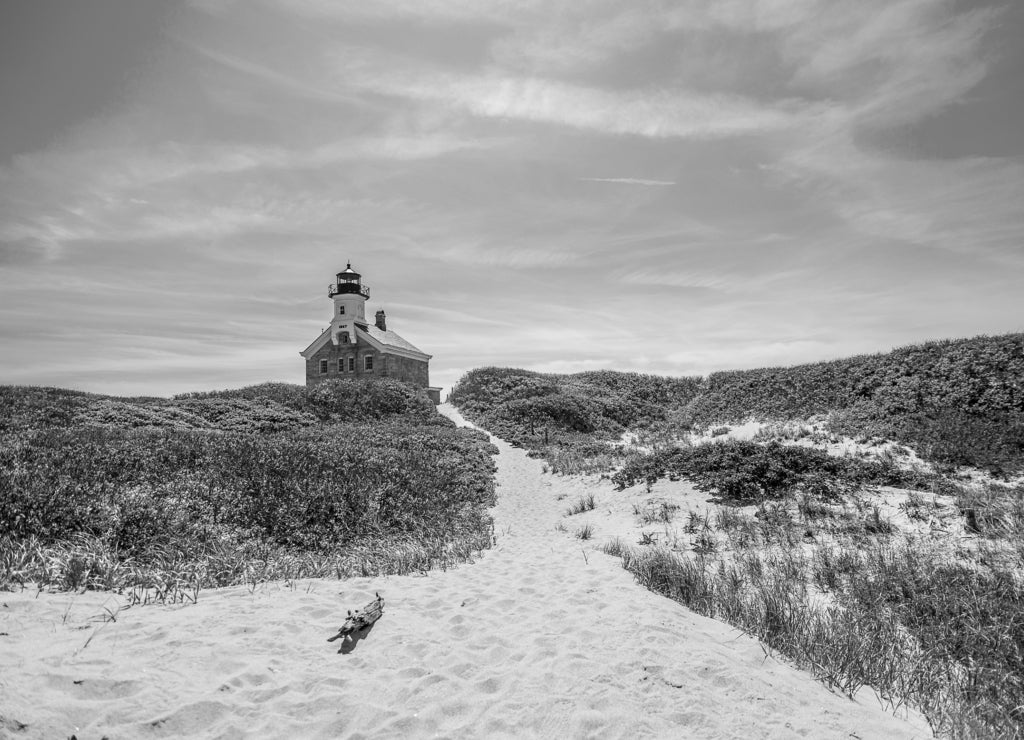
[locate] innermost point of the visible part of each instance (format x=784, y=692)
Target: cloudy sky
x=672, y=186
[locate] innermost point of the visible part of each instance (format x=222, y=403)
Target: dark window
x=323, y=367
x=351, y=364
x=341, y=310
x=368, y=362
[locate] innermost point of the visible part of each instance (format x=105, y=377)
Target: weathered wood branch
x=360, y=619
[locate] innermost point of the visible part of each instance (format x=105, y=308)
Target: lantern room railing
x=355, y=288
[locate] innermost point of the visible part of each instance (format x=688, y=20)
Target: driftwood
x=360, y=619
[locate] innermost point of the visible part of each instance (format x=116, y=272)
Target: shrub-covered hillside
x=528, y=408
x=982, y=376
x=211, y=489
x=957, y=401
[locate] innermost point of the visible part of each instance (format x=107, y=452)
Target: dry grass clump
x=842, y=589
x=170, y=577
x=993, y=511
x=656, y=512
x=585, y=503
x=588, y=458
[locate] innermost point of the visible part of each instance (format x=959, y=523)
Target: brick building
x=352, y=348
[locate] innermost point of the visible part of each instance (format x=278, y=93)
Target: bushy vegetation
x=747, y=472
x=977, y=376
x=823, y=572
x=524, y=403
x=956, y=401
x=567, y=418
x=839, y=591
x=950, y=437
x=338, y=400
x=142, y=492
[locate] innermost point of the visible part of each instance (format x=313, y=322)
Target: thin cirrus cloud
x=699, y=185
x=652, y=114
x=629, y=181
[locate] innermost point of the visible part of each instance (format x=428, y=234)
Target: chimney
x=381, y=321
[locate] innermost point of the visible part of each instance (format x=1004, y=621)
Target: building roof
x=390, y=339
x=386, y=341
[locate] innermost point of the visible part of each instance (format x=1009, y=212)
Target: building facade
x=351, y=347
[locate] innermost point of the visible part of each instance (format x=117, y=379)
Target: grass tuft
x=584, y=504
x=585, y=532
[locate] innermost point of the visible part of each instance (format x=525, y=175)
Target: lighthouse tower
x=351, y=348
x=349, y=295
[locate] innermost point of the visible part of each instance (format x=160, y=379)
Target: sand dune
x=541, y=637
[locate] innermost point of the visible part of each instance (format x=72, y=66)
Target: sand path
x=541, y=637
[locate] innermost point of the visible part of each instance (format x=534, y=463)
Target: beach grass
x=165, y=497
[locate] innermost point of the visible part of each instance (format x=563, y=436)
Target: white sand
x=541, y=637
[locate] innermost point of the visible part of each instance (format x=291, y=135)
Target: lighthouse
x=349, y=296
x=350, y=347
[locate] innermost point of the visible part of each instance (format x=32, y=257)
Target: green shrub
x=360, y=400
x=286, y=394
x=743, y=471
x=560, y=417
x=177, y=481
x=956, y=401
x=28, y=407
x=976, y=376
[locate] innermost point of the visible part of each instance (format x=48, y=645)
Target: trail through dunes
x=540, y=637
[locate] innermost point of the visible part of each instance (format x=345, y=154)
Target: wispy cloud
x=739, y=206
x=728, y=276
x=628, y=181
x=659, y=113
x=892, y=61
x=284, y=84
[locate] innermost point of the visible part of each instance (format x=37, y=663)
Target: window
x=351, y=364
x=343, y=337
x=323, y=367
x=368, y=362
x=341, y=310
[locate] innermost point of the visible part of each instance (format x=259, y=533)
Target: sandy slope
x=539, y=638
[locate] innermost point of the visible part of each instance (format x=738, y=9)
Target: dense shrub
x=269, y=407
x=314, y=489
x=994, y=442
x=959, y=402
x=338, y=399
x=743, y=471
x=177, y=480
x=359, y=400
x=979, y=376
x=287, y=394
x=29, y=407
x=563, y=417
